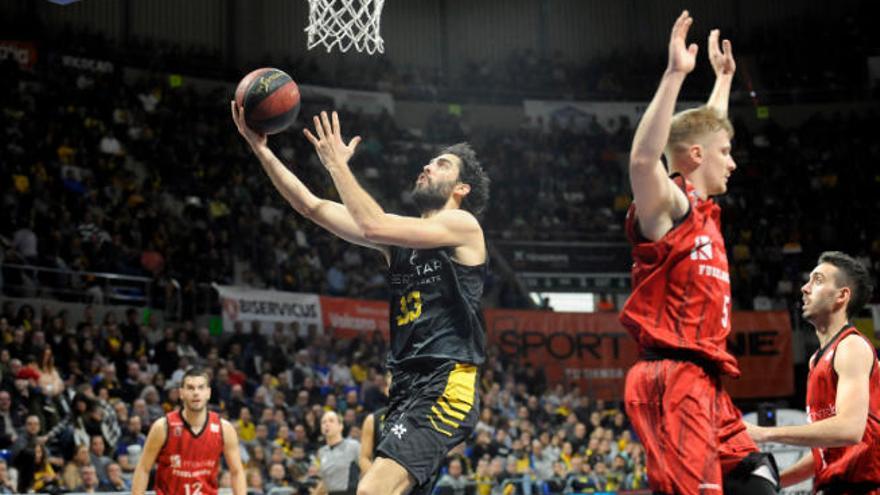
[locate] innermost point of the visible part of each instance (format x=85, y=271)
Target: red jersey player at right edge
x=843, y=387
x=679, y=309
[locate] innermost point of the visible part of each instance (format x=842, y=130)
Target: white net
x=346, y=24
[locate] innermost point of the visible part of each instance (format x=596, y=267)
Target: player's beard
x=431, y=197
x=196, y=409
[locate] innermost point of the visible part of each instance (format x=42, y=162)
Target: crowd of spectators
x=798, y=192
x=143, y=179
x=802, y=65
x=78, y=422
x=146, y=179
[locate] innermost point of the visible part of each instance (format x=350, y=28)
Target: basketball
x=270, y=99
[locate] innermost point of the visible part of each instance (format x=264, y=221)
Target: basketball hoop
x=346, y=24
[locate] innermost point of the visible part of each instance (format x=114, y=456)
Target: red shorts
x=692, y=432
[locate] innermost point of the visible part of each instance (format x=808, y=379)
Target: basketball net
x=346, y=24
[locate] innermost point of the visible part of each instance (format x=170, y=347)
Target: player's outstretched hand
x=331, y=149
x=252, y=137
x=682, y=57
x=721, y=56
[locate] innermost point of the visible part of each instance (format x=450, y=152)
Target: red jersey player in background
x=843, y=387
x=679, y=309
x=187, y=443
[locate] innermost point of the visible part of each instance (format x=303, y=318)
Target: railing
x=90, y=287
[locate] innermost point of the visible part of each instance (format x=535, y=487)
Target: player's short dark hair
x=472, y=174
x=193, y=371
x=852, y=275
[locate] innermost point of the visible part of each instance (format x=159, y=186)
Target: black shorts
x=432, y=409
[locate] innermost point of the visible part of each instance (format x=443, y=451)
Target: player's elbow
x=848, y=431
x=852, y=435
x=845, y=439
x=309, y=211
x=373, y=231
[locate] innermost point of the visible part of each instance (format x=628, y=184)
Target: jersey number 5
x=725, y=312
x=410, y=308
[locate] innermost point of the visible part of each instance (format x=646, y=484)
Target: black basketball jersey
x=435, y=308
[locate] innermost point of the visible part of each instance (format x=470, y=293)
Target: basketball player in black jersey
x=437, y=264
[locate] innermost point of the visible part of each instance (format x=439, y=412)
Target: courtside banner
x=268, y=306
x=350, y=318
x=761, y=342
x=594, y=351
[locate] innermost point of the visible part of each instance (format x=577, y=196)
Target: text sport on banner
x=594, y=351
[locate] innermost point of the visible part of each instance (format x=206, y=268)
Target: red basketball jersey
x=681, y=285
x=189, y=462
x=859, y=463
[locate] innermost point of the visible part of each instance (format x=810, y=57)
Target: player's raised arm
x=658, y=201
x=328, y=214
x=233, y=459
x=721, y=57
x=152, y=446
x=446, y=228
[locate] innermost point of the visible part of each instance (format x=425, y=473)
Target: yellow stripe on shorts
x=460, y=388
x=450, y=411
x=443, y=418
x=434, y=423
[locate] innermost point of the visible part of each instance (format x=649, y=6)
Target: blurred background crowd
x=78, y=397
x=145, y=179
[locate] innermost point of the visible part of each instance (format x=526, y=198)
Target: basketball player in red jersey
x=843, y=387
x=186, y=444
x=679, y=309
